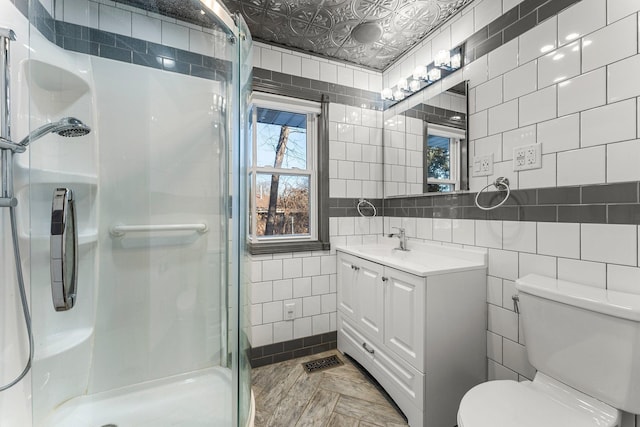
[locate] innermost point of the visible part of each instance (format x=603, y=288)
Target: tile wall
x=569, y=83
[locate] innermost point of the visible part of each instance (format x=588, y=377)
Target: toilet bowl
x=541, y=402
x=584, y=342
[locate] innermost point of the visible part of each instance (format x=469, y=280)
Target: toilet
x=585, y=344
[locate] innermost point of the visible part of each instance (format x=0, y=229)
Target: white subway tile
x=503, y=59
x=282, y=331
x=321, y=324
x=302, y=327
x=283, y=289
x=502, y=322
x=202, y=43
x=494, y=347
x=301, y=287
x=624, y=279
x=320, y=285
x=617, y=9
x=353, y=115
x=494, y=290
x=583, y=92
x=463, y=231
x=310, y=266
x=559, y=239
x=489, y=94
x=375, y=82
x=291, y=64
x=610, y=44
x=616, y=244
x=519, y=236
x=486, y=11
x=424, y=228
x=346, y=226
x=520, y=81
x=497, y=372
x=261, y=292
x=114, y=20
x=256, y=314
x=503, y=264
x=175, y=35
x=261, y=335
x=538, y=178
x=559, y=65
x=272, y=270
x=146, y=28
x=478, y=125
x=272, y=312
x=311, y=306
x=538, y=106
x=623, y=159
x=503, y=117
x=609, y=123
x=442, y=229
x=537, y=264
x=310, y=68
x=328, y=264
x=584, y=272
x=559, y=134
x=515, y=357
x=580, y=19
x=489, y=234
x=360, y=79
x=489, y=145
x=622, y=79
x=328, y=303
x=517, y=138
x=337, y=113
x=345, y=76
x=461, y=29
x=476, y=72
x=539, y=40
x=508, y=291
x=580, y=167
x=271, y=60
x=328, y=72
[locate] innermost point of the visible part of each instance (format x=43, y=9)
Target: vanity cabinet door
x=347, y=289
x=404, y=313
x=371, y=299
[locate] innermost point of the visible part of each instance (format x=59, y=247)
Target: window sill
x=282, y=247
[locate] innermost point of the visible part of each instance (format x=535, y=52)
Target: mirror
x=425, y=143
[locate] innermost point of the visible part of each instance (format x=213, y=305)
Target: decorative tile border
x=301, y=87
x=340, y=207
x=437, y=115
x=91, y=41
x=602, y=204
x=287, y=350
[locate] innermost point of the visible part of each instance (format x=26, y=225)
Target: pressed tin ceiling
x=371, y=33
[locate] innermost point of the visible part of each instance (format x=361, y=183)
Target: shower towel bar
x=119, y=230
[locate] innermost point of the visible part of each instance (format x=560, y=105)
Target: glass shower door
x=153, y=337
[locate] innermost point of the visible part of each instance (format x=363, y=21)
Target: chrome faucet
x=403, y=238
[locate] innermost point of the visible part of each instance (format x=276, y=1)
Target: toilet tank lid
x=613, y=303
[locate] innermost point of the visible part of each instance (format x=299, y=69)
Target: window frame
x=316, y=115
x=455, y=136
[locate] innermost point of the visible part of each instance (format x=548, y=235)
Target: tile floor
x=287, y=396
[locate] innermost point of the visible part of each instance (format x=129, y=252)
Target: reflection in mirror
x=425, y=145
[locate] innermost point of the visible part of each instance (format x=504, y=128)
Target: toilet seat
x=543, y=402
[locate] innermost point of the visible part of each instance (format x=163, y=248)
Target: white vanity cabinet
x=423, y=337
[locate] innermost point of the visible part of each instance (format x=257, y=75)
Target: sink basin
x=422, y=259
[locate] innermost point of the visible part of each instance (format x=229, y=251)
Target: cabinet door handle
x=364, y=345
x=355, y=267
x=385, y=279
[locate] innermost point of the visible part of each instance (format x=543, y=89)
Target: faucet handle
x=400, y=229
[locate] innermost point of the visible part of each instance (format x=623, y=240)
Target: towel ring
x=366, y=204
x=500, y=182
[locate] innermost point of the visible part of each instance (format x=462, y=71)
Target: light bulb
x=420, y=72
x=443, y=58
x=403, y=84
x=434, y=74
x=387, y=93
x=414, y=85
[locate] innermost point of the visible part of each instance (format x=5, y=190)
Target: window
x=441, y=151
x=284, y=172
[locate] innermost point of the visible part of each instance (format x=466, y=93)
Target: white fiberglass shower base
x=197, y=399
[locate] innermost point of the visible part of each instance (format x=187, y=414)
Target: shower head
x=68, y=127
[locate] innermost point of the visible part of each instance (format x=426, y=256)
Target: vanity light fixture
x=445, y=63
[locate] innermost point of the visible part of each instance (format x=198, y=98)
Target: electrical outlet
x=289, y=311
x=483, y=165
x=527, y=157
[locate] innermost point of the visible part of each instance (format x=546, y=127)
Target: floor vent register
x=322, y=364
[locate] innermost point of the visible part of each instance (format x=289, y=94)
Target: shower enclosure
x=153, y=331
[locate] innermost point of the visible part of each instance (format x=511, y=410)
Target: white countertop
x=422, y=259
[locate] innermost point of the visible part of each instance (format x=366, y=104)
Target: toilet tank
x=585, y=337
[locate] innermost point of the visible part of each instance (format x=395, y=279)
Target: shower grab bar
x=120, y=230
